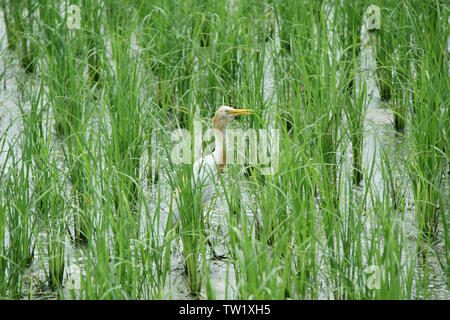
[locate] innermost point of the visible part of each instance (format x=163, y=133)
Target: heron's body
x=206, y=170
x=206, y=177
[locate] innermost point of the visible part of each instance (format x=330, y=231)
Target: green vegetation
x=88, y=180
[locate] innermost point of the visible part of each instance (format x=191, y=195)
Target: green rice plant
x=394, y=59
x=224, y=57
x=61, y=79
x=342, y=229
x=124, y=228
x=3, y=248
x=364, y=251
x=393, y=272
x=65, y=62
x=153, y=164
x=295, y=22
x=21, y=222
x=250, y=90
x=4, y=230
x=307, y=234
x=48, y=201
x=91, y=17
x=188, y=203
x=283, y=16
x=348, y=23
x=20, y=23
x=296, y=228
x=274, y=220
x=355, y=112
x=158, y=21
x=115, y=234
x=198, y=27
x=35, y=146
x=256, y=266
x=109, y=265
x=97, y=281
x=129, y=255
x=311, y=82
x=9, y=26
x=401, y=88
x=83, y=38
x=39, y=148
x=392, y=258
x=56, y=231
x=445, y=261
x=262, y=267
x=400, y=97
x=386, y=37
x=80, y=155
x=124, y=102
x=267, y=241
x=155, y=250
x=429, y=121
x=134, y=268
x=258, y=14
x=216, y=56
x=21, y=226
x=71, y=118
x=168, y=52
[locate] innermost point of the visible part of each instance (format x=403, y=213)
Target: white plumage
x=204, y=179
x=206, y=176
x=206, y=169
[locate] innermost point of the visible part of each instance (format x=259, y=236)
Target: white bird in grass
x=206, y=169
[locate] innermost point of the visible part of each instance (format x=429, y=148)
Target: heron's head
x=225, y=114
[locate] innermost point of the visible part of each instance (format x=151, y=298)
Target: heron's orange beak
x=240, y=112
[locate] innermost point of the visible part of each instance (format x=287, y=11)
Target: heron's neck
x=220, y=151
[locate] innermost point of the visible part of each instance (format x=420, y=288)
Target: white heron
x=206, y=170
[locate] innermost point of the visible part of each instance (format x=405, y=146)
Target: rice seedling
x=71, y=119
x=156, y=256
x=394, y=59
x=192, y=228
x=90, y=16
x=48, y=190
x=355, y=111
x=429, y=121
x=20, y=22
x=385, y=55
x=21, y=226
x=125, y=108
x=56, y=231
x=349, y=28
x=3, y=241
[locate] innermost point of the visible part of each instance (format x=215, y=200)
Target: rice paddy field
x=346, y=195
